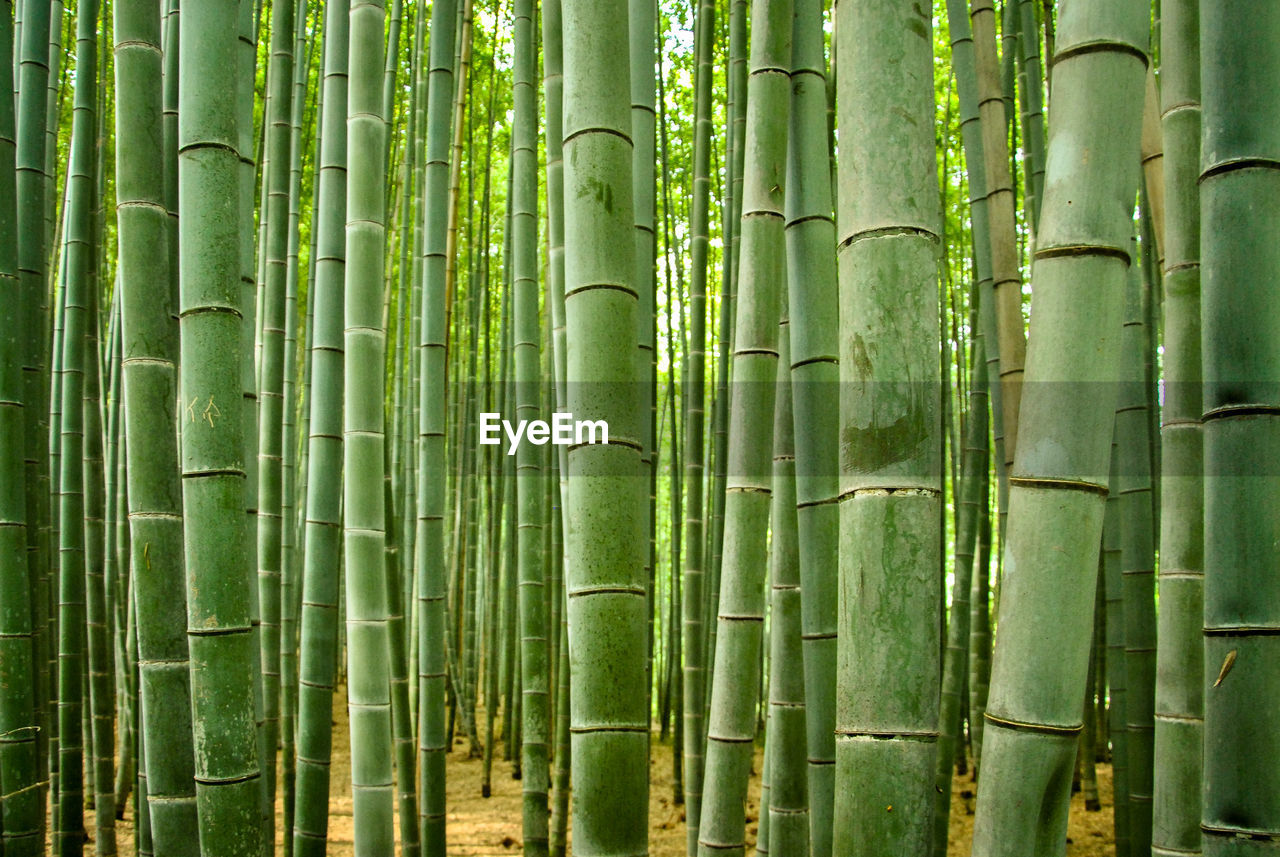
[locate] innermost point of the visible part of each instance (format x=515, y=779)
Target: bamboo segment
x=1179, y=701
x=694, y=676
x=429, y=563
x=1137, y=562
x=31, y=45
x=219, y=596
x=1002, y=231
x=1058, y=487
x=21, y=817
x=815, y=374
x=788, y=804
x=606, y=541
x=534, y=652
x=364, y=509
x=888, y=653
x=974, y=468
x=1239, y=178
x=150, y=372
x=318, y=639
x=735, y=682
x=271, y=378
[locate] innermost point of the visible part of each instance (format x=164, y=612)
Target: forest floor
x=491, y=827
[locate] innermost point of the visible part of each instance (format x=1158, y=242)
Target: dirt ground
x=491, y=827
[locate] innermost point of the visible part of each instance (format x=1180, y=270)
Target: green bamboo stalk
x=99, y=722
x=322, y=535
x=1086, y=756
x=889, y=648
x=150, y=338
x=1137, y=561
x=980, y=621
x=30, y=180
x=1057, y=492
x=1005, y=268
x=1179, y=702
x=430, y=562
x=251, y=302
x=694, y=673
x=219, y=593
x=1117, y=671
x=786, y=744
x=81, y=438
x=605, y=578
x=21, y=816
x=492, y=465
x=1033, y=115
x=736, y=132
x=534, y=655
x=271, y=402
x=116, y=560
x=735, y=687
x=561, y=772
x=290, y=576
x=964, y=59
x=1241, y=793
x=975, y=468
x=815, y=373
x=364, y=518
x=641, y=31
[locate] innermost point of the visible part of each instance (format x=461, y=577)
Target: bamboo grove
x=549, y=383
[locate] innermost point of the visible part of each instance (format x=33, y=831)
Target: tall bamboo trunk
x=271, y=404
x=1058, y=488
x=1005, y=267
x=364, y=509
x=318, y=638
x=693, y=676
x=888, y=670
x=429, y=564
x=150, y=343
x=534, y=654
x=735, y=683
x=605, y=581
x=815, y=373
x=1179, y=701
x=1238, y=181
x=788, y=800
x=219, y=595
x=21, y=816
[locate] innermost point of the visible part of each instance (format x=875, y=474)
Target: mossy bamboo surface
x=888, y=223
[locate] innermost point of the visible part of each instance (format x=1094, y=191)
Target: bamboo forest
x=683, y=428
